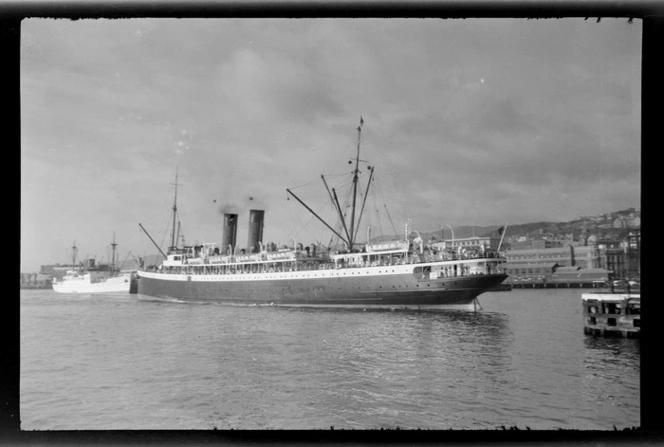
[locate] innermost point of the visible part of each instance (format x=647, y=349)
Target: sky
x=466, y=122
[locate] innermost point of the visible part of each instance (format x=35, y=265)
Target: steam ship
x=404, y=273
x=93, y=278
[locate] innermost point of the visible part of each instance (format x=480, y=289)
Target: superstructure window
x=422, y=272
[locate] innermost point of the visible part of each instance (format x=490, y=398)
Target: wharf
x=558, y=285
x=35, y=281
x=36, y=286
x=612, y=314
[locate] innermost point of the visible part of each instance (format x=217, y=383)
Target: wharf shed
x=578, y=274
x=530, y=269
x=581, y=256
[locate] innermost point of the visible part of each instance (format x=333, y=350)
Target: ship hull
x=350, y=288
x=118, y=284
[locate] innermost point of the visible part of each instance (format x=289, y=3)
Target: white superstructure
x=74, y=282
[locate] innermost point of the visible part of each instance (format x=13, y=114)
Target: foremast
x=174, y=235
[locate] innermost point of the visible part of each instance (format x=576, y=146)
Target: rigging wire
x=391, y=223
x=393, y=174
x=351, y=191
x=377, y=211
x=304, y=225
x=380, y=191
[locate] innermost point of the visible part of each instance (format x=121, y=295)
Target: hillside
x=614, y=224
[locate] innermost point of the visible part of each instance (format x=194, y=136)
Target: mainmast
x=175, y=210
x=355, y=178
x=366, y=194
x=351, y=230
x=335, y=204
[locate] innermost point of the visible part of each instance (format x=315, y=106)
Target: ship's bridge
x=174, y=260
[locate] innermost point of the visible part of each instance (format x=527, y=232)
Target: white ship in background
x=91, y=278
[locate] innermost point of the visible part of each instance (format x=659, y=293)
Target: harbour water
x=106, y=362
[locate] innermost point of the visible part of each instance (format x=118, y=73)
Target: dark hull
x=376, y=291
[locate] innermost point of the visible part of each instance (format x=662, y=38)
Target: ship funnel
x=229, y=232
x=255, y=230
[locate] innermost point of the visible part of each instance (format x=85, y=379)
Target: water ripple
x=91, y=362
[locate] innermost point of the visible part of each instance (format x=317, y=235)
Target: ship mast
x=74, y=250
x=113, y=245
x=350, y=231
x=177, y=237
x=364, y=202
x=175, y=210
x=355, y=178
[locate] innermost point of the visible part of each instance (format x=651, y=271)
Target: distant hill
x=617, y=223
x=614, y=224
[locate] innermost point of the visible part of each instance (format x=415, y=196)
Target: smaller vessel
x=102, y=278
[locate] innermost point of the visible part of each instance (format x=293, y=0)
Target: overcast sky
x=476, y=121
